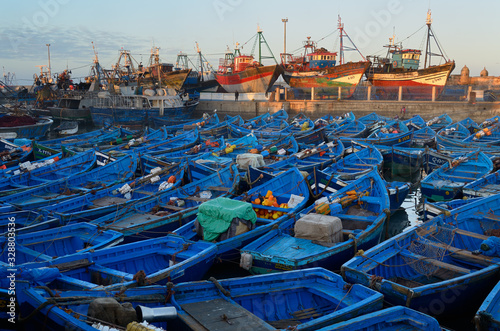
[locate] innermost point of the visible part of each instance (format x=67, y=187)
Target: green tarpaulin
x=215, y=216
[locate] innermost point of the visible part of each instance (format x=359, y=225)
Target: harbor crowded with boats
x=303, y=192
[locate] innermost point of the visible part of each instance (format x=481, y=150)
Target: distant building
x=484, y=81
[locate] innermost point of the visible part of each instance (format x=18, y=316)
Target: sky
x=466, y=30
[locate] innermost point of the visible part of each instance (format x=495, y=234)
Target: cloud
x=69, y=44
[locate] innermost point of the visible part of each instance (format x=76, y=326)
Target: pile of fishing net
x=11, y=121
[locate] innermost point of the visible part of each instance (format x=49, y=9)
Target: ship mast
x=430, y=34
x=343, y=34
x=261, y=40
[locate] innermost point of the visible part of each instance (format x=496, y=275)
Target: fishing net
x=426, y=251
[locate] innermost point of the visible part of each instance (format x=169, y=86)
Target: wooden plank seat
x=440, y=264
x=465, y=233
x=464, y=254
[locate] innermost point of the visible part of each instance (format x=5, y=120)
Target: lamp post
x=284, y=20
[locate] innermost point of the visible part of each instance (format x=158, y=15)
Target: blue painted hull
x=285, y=296
x=156, y=216
x=431, y=267
x=135, y=118
x=57, y=317
x=389, y=319
x=446, y=183
x=488, y=315
x=47, y=244
x=35, y=131
x=101, y=177
x=165, y=259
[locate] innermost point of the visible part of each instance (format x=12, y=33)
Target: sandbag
x=111, y=311
x=319, y=228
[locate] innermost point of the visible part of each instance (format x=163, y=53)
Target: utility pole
x=50, y=72
x=284, y=20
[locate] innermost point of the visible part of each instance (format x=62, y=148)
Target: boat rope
x=250, y=183
x=316, y=196
x=345, y=296
x=36, y=310
x=219, y=287
x=184, y=248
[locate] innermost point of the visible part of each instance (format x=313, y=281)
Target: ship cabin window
x=243, y=59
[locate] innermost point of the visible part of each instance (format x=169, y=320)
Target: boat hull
x=135, y=118
x=251, y=80
x=418, y=83
x=34, y=131
x=346, y=76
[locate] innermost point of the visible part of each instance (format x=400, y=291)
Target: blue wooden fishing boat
x=164, y=213
x=313, y=138
x=135, y=111
x=25, y=221
x=415, y=123
x=488, y=135
x=270, y=131
x=495, y=120
x=94, y=135
x=429, y=210
x=356, y=164
x=43, y=149
x=470, y=125
x=390, y=319
x=216, y=220
x=32, y=131
x=11, y=154
x=454, y=149
x=387, y=129
x=424, y=137
x=454, y=131
x=157, y=142
x=163, y=159
x=488, y=315
x=446, y=182
x=400, y=139
x=405, y=162
x=302, y=300
x=23, y=167
x=71, y=308
x=327, y=120
x=48, y=244
x=101, y=177
x=434, y=159
x=306, y=160
x=398, y=191
x=52, y=171
x=148, y=262
x=483, y=187
x=93, y=205
x=435, y=260
x=322, y=185
x=354, y=129
x=221, y=129
x=326, y=234
x=439, y=122
x=173, y=126
x=372, y=118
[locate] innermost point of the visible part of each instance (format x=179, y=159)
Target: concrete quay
x=478, y=111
